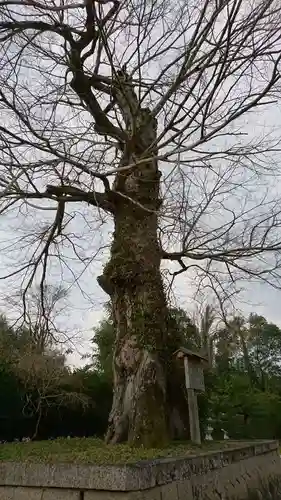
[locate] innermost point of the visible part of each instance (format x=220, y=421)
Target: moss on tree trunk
x=141, y=410
x=134, y=281
x=149, y=405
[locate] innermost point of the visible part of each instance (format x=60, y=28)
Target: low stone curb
x=136, y=477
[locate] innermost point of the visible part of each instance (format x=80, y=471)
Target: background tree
x=39, y=395
x=44, y=377
x=207, y=331
x=37, y=311
x=100, y=101
x=103, y=341
x=263, y=346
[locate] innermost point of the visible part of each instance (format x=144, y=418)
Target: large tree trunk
x=149, y=397
x=140, y=412
x=133, y=279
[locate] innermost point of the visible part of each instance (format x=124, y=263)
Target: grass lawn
x=94, y=451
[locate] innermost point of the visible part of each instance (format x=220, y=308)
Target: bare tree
x=45, y=379
x=144, y=111
x=37, y=311
x=208, y=326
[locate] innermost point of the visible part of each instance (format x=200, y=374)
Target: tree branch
x=38, y=5
x=16, y=27
x=65, y=194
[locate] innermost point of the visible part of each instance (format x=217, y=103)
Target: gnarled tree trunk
x=140, y=411
x=133, y=279
x=149, y=403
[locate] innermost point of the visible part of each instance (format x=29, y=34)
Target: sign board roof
x=183, y=352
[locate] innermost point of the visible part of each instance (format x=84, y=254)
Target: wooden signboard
x=194, y=364
x=194, y=376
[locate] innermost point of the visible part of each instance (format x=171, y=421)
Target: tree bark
x=149, y=404
x=141, y=405
x=133, y=280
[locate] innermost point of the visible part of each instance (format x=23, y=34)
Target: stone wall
x=217, y=475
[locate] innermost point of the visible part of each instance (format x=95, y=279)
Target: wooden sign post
x=194, y=380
